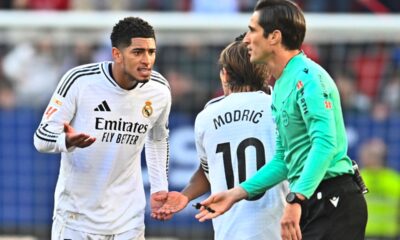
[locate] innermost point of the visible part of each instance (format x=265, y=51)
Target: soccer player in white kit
x=100, y=117
x=235, y=136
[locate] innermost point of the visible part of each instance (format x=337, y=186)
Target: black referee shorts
x=336, y=211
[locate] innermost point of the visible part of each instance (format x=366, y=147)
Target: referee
x=325, y=200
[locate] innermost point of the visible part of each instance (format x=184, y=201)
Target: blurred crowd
x=367, y=75
x=380, y=6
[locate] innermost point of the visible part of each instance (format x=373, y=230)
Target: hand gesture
x=176, y=201
x=220, y=203
x=157, y=200
x=74, y=139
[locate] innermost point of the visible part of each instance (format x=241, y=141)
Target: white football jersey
x=100, y=188
x=235, y=136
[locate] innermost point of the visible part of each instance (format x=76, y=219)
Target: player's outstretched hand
x=157, y=200
x=175, y=202
x=74, y=139
x=220, y=203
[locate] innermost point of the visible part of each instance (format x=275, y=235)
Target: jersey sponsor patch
x=147, y=109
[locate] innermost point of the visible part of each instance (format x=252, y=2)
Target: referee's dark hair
x=285, y=16
x=128, y=28
x=242, y=74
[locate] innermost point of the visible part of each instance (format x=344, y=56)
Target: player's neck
x=122, y=79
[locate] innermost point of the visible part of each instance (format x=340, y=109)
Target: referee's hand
x=290, y=222
x=218, y=204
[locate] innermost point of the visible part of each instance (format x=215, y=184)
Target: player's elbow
x=39, y=144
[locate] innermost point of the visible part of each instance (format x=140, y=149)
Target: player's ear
x=116, y=54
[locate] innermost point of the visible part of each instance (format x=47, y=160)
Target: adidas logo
x=103, y=107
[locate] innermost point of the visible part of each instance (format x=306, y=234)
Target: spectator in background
x=351, y=99
x=33, y=71
x=7, y=95
x=102, y=51
x=211, y=6
x=380, y=112
x=190, y=64
x=192, y=59
x=171, y=5
x=42, y=4
x=384, y=196
x=370, y=68
x=96, y=5
x=187, y=94
x=391, y=89
x=80, y=53
x=247, y=5
x=320, y=6
x=136, y=5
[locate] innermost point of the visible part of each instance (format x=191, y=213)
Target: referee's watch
x=292, y=198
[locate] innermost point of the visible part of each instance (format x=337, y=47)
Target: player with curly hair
x=99, y=118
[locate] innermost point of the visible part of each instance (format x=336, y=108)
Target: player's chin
x=143, y=78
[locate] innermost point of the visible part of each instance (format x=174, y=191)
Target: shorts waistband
x=336, y=182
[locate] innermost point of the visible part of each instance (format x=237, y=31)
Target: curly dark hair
x=128, y=28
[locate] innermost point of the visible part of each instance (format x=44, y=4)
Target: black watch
x=292, y=198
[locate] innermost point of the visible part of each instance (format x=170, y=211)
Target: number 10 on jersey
x=225, y=149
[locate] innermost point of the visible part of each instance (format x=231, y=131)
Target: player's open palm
x=157, y=200
x=176, y=201
x=74, y=139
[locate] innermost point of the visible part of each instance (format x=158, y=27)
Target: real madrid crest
x=147, y=109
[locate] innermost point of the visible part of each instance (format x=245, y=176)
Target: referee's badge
x=147, y=109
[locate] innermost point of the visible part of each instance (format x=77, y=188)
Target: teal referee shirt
x=311, y=143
